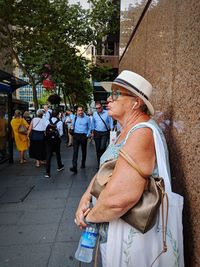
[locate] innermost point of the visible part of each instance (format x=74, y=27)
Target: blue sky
x=82, y=2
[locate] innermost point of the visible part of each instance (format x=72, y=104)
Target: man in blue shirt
x=102, y=123
x=82, y=128
x=47, y=112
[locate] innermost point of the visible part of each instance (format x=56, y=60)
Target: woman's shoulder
x=38, y=118
x=14, y=120
x=148, y=125
x=140, y=136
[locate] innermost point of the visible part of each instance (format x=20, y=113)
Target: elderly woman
x=36, y=131
x=21, y=139
x=121, y=244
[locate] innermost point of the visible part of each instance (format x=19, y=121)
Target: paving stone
x=9, y=218
x=47, y=194
x=63, y=256
x=15, y=194
x=70, y=209
x=25, y=256
x=27, y=234
x=41, y=216
x=40, y=231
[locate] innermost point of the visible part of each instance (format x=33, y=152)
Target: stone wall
x=166, y=50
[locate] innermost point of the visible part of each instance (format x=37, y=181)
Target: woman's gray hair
x=40, y=112
x=17, y=113
x=143, y=107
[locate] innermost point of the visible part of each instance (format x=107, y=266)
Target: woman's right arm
x=30, y=128
x=84, y=204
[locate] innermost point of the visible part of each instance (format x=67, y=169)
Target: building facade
x=26, y=93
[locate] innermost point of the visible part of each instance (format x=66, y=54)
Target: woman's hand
x=81, y=213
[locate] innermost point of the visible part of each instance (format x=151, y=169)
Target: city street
x=37, y=226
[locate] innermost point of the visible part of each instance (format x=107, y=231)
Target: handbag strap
x=132, y=163
x=103, y=121
x=160, y=154
x=164, y=196
x=36, y=124
x=74, y=122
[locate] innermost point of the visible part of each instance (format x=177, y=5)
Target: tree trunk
x=31, y=79
x=35, y=100
x=69, y=101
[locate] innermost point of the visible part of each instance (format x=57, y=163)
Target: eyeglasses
x=99, y=108
x=115, y=95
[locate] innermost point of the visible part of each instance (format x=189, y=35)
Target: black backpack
x=51, y=132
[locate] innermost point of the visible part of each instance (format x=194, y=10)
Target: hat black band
x=130, y=85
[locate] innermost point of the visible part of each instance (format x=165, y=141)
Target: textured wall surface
x=166, y=50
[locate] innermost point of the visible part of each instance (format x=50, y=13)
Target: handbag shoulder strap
x=160, y=156
x=132, y=163
x=103, y=121
x=74, y=121
x=36, y=124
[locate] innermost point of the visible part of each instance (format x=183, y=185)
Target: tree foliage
x=104, y=17
x=36, y=33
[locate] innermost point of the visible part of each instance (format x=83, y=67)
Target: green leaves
x=103, y=16
x=49, y=31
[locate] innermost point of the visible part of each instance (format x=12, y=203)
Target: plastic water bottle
x=87, y=244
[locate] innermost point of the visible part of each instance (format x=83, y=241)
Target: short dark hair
x=98, y=103
x=80, y=106
x=55, y=113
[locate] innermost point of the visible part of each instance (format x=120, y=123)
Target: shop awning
x=9, y=83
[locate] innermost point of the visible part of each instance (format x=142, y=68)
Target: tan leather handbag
x=143, y=215
x=22, y=129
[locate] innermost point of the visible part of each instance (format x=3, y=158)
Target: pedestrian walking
x=68, y=123
x=47, y=112
x=36, y=133
x=20, y=128
x=102, y=123
x=90, y=114
x=53, y=133
x=82, y=129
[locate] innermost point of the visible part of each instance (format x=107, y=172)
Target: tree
x=44, y=99
x=30, y=30
x=70, y=72
x=48, y=31
x=104, y=17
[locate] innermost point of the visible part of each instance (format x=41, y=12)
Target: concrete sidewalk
x=37, y=214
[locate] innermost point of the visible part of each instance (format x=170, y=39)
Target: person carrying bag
x=140, y=217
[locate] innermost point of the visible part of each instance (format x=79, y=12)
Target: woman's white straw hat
x=137, y=85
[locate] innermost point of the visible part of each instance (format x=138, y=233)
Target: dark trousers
x=66, y=133
x=101, y=142
x=50, y=148
x=79, y=139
